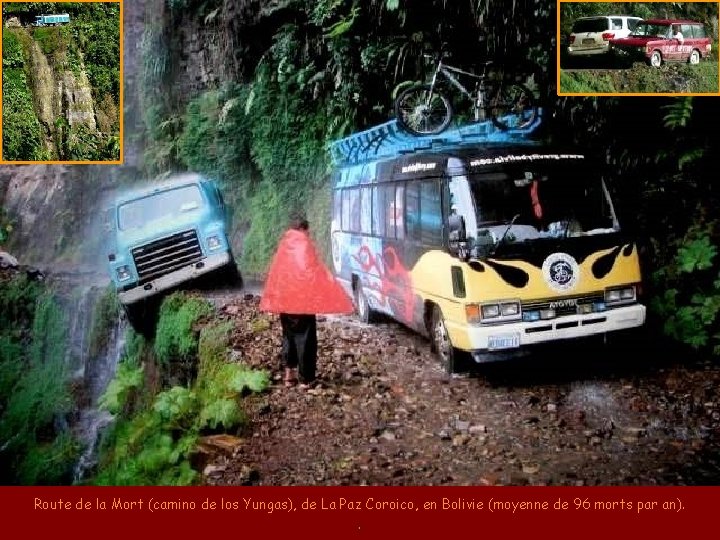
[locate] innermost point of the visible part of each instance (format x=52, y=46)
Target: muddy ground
x=385, y=413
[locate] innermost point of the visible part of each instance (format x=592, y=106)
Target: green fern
x=245, y=379
x=697, y=254
x=678, y=113
x=176, y=407
x=128, y=378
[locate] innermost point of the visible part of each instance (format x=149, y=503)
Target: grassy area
x=680, y=78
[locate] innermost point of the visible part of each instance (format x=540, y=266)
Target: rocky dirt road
x=385, y=413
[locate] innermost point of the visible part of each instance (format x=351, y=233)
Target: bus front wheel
x=441, y=344
x=365, y=312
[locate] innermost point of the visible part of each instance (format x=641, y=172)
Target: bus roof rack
x=390, y=140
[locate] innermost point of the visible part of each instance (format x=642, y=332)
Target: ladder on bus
x=390, y=140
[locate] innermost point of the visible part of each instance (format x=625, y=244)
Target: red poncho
x=298, y=282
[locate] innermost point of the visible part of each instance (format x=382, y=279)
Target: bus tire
x=365, y=313
x=441, y=344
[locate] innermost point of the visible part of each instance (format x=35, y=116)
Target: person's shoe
x=290, y=378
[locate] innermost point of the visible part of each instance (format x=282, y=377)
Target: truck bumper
x=168, y=281
x=512, y=336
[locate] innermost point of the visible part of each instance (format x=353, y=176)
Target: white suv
x=592, y=35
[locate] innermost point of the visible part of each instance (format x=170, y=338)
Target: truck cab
x=665, y=40
x=164, y=235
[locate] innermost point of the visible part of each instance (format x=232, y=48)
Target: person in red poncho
x=299, y=286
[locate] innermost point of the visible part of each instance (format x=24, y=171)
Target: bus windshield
x=523, y=203
x=140, y=212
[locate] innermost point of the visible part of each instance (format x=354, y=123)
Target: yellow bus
x=486, y=242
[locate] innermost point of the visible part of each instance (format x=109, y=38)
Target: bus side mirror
x=457, y=238
x=456, y=233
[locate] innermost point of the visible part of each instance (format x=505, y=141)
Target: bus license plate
x=504, y=341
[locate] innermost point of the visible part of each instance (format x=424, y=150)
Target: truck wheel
x=230, y=275
x=656, y=59
x=142, y=316
x=694, y=57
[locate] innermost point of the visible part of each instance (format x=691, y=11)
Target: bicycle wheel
x=422, y=111
x=513, y=107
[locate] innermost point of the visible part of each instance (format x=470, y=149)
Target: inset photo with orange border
x=61, y=82
x=637, y=48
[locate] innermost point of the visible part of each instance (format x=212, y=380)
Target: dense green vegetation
x=36, y=446
x=641, y=78
x=158, y=423
x=23, y=136
x=88, y=48
x=310, y=72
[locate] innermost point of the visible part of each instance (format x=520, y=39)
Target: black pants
x=299, y=348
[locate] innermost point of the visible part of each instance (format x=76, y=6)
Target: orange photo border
x=622, y=94
x=119, y=161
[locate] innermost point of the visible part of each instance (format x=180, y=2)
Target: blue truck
x=51, y=20
x=164, y=235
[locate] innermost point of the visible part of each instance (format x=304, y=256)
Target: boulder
x=7, y=260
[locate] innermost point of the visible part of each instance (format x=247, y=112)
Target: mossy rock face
x=77, y=100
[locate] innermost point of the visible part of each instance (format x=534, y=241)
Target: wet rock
x=213, y=470
x=460, y=440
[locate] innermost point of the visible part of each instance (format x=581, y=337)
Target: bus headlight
x=123, y=273
x=620, y=295
x=490, y=311
x=503, y=310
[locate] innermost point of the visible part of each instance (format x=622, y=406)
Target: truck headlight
x=620, y=295
x=123, y=273
x=213, y=242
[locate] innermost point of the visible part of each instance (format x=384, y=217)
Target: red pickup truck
x=664, y=40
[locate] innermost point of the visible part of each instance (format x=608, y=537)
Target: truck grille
x=166, y=255
x=566, y=305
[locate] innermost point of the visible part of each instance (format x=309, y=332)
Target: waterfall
x=92, y=372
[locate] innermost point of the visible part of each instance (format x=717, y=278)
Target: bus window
x=365, y=213
x=399, y=212
x=378, y=221
x=355, y=210
x=431, y=212
x=412, y=210
x=389, y=211
x=345, y=224
x=337, y=205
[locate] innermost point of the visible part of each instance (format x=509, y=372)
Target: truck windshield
x=523, y=203
x=137, y=213
x=651, y=30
